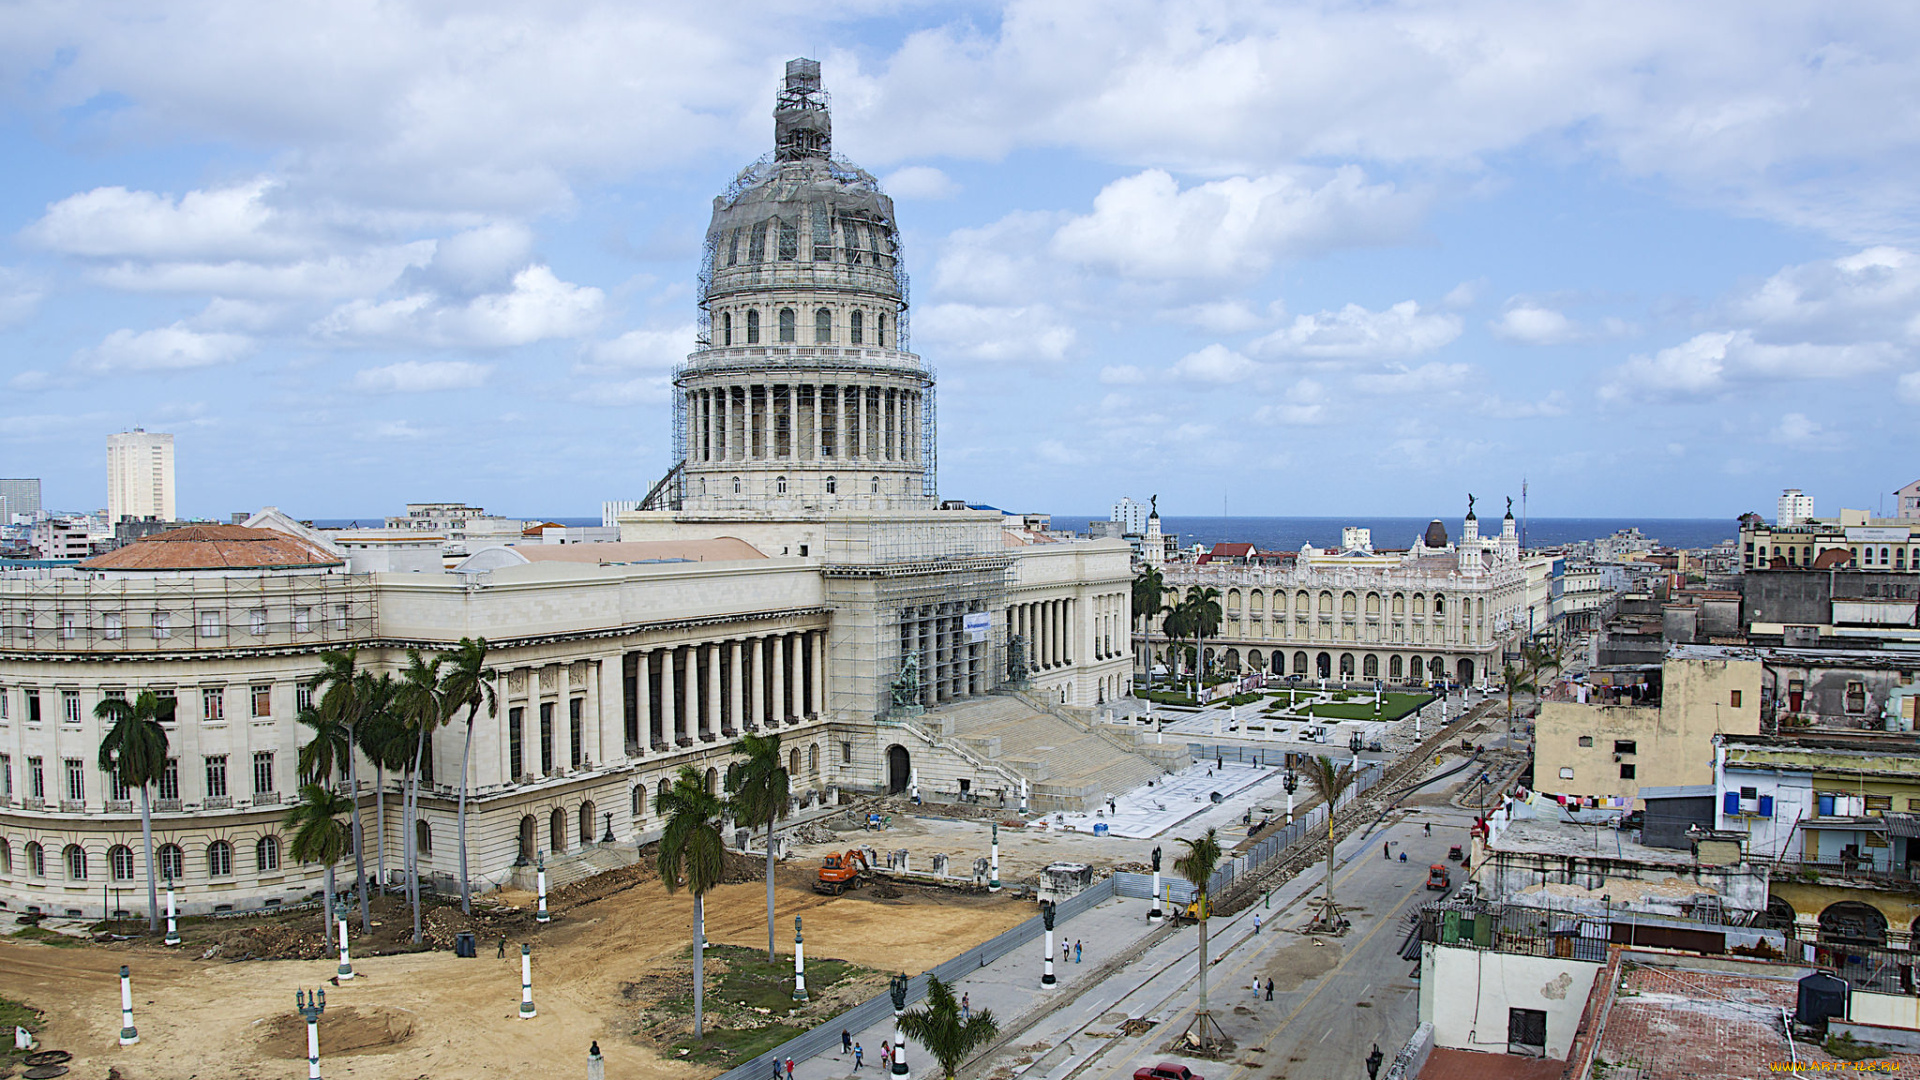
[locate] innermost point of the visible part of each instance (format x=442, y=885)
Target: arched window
x=779, y=485
x=1439, y=605
x=36, y=859
x=757, y=242
x=422, y=838
x=789, y=241
x=76, y=860
x=875, y=486
x=733, y=248
x=639, y=803
x=822, y=326
x=833, y=485
x=120, y=862
x=736, y=485
x=813, y=760
x=857, y=328
x=665, y=786
x=6, y=857
x=557, y=831
x=1395, y=669
x=880, y=330
x=172, y=862
x=219, y=859
x=726, y=328
x=586, y=822
x=793, y=763
x=266, y=854
x=753, y=326
x=787, y=325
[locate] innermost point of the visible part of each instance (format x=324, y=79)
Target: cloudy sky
x=1662, y=259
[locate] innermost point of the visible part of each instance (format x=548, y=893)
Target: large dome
x=215, y=547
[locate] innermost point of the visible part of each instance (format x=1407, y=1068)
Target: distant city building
x=18, y=497
x=611, y=510
x=1794, y=508
x=140, y=475
x=1354, y=538
x=1852, y=540
x=1908, y=505
x=62, y=538
x=1130, y=514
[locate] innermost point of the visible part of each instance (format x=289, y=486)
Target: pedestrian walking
x=1386, y=850
x=846, y=1041
x=1256, y=924
x=1076, y=952
x=1269, y=989
x=503, y=947
x=966, y=1008
x=777, y=1071
x=858, y=1052
x=789, y=1069
x=886, y=1052
x=1429, y=828
x=1256, y=988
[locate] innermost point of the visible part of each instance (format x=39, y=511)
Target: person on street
x=778, y=1072
x=1386, y=850
x=966, y=1008
x=1256, y=923
x=858, y=1052
x=1076, y=952
x=886, y=1052
x=1256, y=988
x=846, y=1041
x=789, y=1069
x=1269, y=989
x=1429, y=828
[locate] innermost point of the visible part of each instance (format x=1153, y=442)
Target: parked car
x=1166, y=1070
x=1438, y=879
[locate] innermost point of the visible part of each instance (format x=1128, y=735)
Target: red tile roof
x=1444, y=1064
x=215, y=547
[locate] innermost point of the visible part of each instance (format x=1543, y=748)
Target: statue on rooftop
x=1470, y=502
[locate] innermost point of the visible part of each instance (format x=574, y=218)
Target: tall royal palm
x=387, y=742
x=338, y=687
x=319, y=836
x=468, y=681
x=691, y=854
x=134, y=752
x=1197, y=866
x=1149, y=593
x=1203, y=621
x=1329, y=781
x=759, y=788
x=424, y=709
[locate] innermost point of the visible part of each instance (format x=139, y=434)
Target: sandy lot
x=206, y=1020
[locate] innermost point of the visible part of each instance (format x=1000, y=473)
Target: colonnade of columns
x=951, y=665
x=550, y=718
x=1047, y=626
x=766, y=421
x=677, y=695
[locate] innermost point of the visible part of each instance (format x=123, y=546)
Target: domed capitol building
x=795, y=572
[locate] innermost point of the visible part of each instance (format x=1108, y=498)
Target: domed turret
x=802, y=395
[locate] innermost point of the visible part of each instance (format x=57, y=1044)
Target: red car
x=1166, y=1070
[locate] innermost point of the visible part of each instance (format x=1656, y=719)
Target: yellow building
x=1611, y=751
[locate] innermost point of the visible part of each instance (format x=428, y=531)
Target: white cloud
x=113, y=222
x=331, y=277
x=1464, y=294
x=1031, y=332
x=20, y=297
x=1145, y=226
x=167, y=348
x=1354, y=332
x=1871, y=294
x=919, y=182
x=1227, y=316
x=482, y=258
x=1713, y=363
x=1529, y=324
x=1122, y=375
x=1215, y=364
x=540, y=306
x=639, y=349
x=1429, y=378
x=1795, y=429
x=1302, y=405
x=999, y=263
x=420, y=376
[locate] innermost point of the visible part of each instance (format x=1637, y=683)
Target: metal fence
x=877, y=1009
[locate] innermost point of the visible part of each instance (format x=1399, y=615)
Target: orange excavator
x=838, y=873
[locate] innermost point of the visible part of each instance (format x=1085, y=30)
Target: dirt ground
x=431, y=1014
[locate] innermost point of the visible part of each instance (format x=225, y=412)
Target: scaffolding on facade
x=76, y=611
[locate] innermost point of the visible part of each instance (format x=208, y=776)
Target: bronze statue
x=1470, y=501
x=1153, y=504
x=906, y=688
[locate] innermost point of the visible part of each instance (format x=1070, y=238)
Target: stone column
x=669, y=709
x=735, y=714
x=819, y=698
x=531, y=748
x=712, y=726
x=590, y=742
x=643, y=694
x=562, y=721
x=756, y=652
x=779, y=666
x=797, y=673
x=690, y=720
x=929, y=662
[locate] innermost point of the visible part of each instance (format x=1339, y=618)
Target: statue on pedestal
x=906, y=687
x=1017, y=660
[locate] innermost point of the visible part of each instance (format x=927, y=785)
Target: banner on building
x=976, y=624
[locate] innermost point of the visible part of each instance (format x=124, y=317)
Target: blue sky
x=1316, y=259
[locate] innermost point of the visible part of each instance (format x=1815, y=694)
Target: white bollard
x=128, y=1036
x=313, y=1047
x=526, y=982
x=541, y=871
x=346, y=964
x=799, y=963
x=1046, y=975
x=173, y=928
x=1023, y=796
x=596, y=1065
x=993, y=882
x=1154, y=914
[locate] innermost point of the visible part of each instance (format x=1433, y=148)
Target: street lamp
x=1373, y=1063
x=311, y=1005
x=1293, y=785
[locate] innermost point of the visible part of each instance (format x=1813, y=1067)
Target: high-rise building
x=1130, y=514
x=140, y=475
x=1794, y=508
x=18, y=497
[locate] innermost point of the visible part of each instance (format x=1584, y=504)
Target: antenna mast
x=1523, y=513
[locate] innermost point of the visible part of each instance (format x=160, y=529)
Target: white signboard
x=1863, y=534
x=976, y=624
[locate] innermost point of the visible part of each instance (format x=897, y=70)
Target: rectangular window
x=76, y=779
x=1626, y=770
x=110, y=626
x=210, y=624
x=263, y=701
x=162, y=625
x=302, y=620
x=340, y=612
x=846, y=753
x=121, y=792
x=303, y=696
x=257, y=622
x=69, y=625
x=1856, y=696
x=217, y=776
x=1527, y=1032
x=546, y=737
x=1879, y=804
x=515, y=717
x=169, y=705
x=1566, y=773
x=575, y=706
x=263, y=772
x=6, y=776
x=1734, y=697
x=1623, y=746
x=36, y=779
x=213, y=705
x=70, y=706
x=789, y=241
x=1748, y=794
x=4, y=697
x=33, y=706
x=169, y=786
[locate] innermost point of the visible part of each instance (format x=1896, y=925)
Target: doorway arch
x=1324, y=665
x=1465, y=670
x=899, y=769
x=557, y=831
x=527, y=840
x=1851, y=922
x=586, y=822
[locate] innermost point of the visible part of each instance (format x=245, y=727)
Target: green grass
x=48, y=937
x=12, y=1014
x=1846, y=1049
x=748, y=984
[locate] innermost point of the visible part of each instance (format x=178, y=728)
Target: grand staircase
x=1067, y=764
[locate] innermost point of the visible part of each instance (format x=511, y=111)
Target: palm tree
x=1197, y=866
x=318, y=834
x=1203, y=614
x=134, y=752
x=424, y=708
x=1516, y=680
x=1330, y=781
x=387, y=742
x=325, y=753
x=468, y=681
x=339, y=689
x=759, y=788
x=1149, y=590
x=1178, y=624
x=940, y=1028
x=691, y=853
